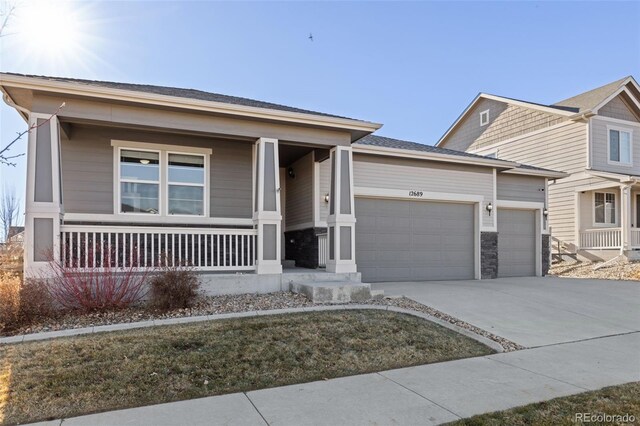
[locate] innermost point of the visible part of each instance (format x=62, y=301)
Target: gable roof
x=398, y=144
x=589, y=100
x=578, y=104
x=180, y=93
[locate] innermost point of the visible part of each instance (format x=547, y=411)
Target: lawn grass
x=614, y=400
x=80, y=375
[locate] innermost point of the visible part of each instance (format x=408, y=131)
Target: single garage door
x=402, y=240
x=516, y=243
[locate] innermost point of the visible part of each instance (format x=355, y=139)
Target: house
x=594, y=212
x=126, y=175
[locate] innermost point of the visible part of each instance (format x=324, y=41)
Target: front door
x=637, y=224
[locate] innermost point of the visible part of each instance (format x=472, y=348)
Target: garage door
x=516, y=243
x=399, y=240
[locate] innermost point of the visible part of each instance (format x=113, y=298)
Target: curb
x=47, y=335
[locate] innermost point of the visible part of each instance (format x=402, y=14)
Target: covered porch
x=226, y=190
x=608, y=217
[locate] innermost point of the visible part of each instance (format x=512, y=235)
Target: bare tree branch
x=4, y=158
x=9, y=210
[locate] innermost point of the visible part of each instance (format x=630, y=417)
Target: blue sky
x=413, y=66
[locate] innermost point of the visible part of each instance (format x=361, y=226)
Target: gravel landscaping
x=616, y=271
x=238, y=303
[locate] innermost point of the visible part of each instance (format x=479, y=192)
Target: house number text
x=416, y=193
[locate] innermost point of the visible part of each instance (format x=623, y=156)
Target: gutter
x=24, y=112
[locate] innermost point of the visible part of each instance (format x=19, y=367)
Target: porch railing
x=207, y=249
x=635, y=238
x=601, y=238
x=323, y=250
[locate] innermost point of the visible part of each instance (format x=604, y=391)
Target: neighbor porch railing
x=635, y=238
x=207, y=249
x=601, y=238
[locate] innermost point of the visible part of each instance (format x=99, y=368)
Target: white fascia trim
x=160, y=147
x=77, y=89
x=396, y=152
x=613, y=95
x=505, y=100
x=615, y=176
x=360, y=191
x=196, y=220
x=531, y=172
x=520, y=205
x=616, y=121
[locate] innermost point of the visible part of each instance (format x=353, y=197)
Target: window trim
x=163, y=196
x=619, y=129
x=204, y=186
x=483, y=114
x=593, y=207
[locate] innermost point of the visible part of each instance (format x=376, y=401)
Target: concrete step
x=333, y=291
x=317, y=276
x=377, y=294
x=288, y=263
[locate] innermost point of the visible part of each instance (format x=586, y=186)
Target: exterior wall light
x=489, y=208
x=545, y=212
x=291, y=173
x=326, y=198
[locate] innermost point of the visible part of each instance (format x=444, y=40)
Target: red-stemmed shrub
x=99, y=287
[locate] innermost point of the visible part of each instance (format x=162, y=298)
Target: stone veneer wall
x=546, y=253
x=302, y=246
x=489, y=255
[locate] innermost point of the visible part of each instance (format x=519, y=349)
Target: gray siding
x=299, y=193
x=563, y=148
x=505, y=121
x=407, y=174
x=325, y=183
x=616, y=108
x=87, y=170
x=520, y=188
x=599, y=141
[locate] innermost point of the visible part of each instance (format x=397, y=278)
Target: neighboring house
x=594, y=137
x=15, y=235
x=127, y=174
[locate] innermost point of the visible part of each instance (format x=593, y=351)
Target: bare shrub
x=174, y=287
x=96, y=288
x=21, y=303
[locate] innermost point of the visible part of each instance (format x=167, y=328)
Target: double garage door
x=402, y=240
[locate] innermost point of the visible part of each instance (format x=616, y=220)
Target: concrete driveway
x=533, y=311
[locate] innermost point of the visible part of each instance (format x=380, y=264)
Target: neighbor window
x=139, y=181
x=484, y=118
x=619, y=146
x=605, y=208
x=186, y=184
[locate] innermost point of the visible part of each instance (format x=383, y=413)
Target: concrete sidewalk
x=423, y=395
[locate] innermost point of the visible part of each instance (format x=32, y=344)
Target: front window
x=139, y=181
x=605, y=208
x=186, y=184
x=619, y=146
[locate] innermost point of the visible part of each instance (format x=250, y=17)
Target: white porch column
x=266, y=206
x=341, y=220
x=43, y=203
x=625, y=217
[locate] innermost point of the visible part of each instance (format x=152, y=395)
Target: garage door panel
x=516, y=243
x=414, y=240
